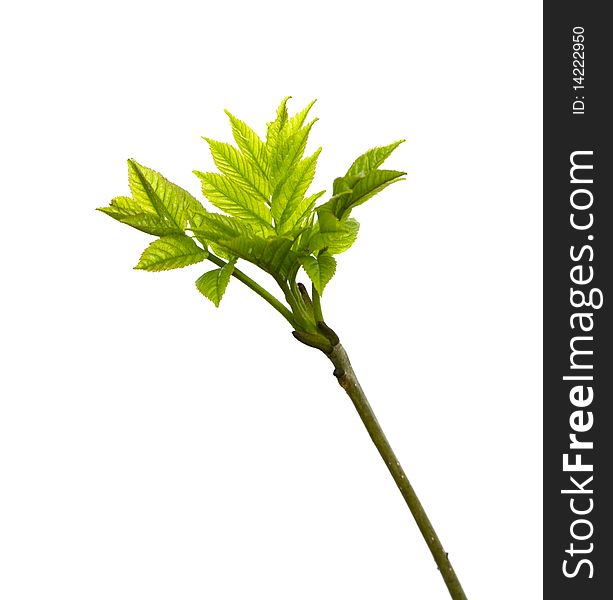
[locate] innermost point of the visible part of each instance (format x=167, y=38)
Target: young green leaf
x=138, y=215
x=352, y=192
x=213, y=284
x=327, y=218
x=274, y=127
x=173, y=204
x=225, y=194
x=288, y=154
x=305, y=209
x=287, y=201
x=250, y=144
x=239, y=169
x=320, y=269
x=335, y=242
x=273, y=131
x=343, y=185
x=149, y=224
x=372, y=183
x=221, y=252
x=122, y=206
x=301, y=239
x=372, y=159
x=297, y=121
x=273, y=255
x=171, y=252
x=361, y=182
x=213, y=227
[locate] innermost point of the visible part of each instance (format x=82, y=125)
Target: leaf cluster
x=265, y=214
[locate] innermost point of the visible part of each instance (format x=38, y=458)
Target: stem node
x=338, y=372
x=329, y=333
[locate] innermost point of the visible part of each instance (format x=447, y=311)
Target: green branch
x=264, y=182
x=344, y=373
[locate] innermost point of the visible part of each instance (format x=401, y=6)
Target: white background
x=154, y=447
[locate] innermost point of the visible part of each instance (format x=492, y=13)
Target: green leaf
x=214, y=227
x=337, y=241
x=355, y=191
x=288, y=154
x=303, y=235
x=250, y=144
x=345, y=184
x=171, y=252
x=274, y=127
x=297, y=121
x=221, y=251
x=361, y=182
x=149, y=224
x=286, y=203
x=240, y=169
x=237, y=239
x=306, y=207
x=372, y=159
x=213, y=284
x=273, y=255
x=228, y=196
x=173, y=204
x=126, y=210
x=319, y=269
x=327, y=213
x=372, y=183
x=122, y=206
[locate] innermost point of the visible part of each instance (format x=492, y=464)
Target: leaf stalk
x=257, y=288
x=317, y=311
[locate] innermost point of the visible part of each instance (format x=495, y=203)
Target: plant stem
x=317, y=305
x=257, y=288
x=346, y=377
